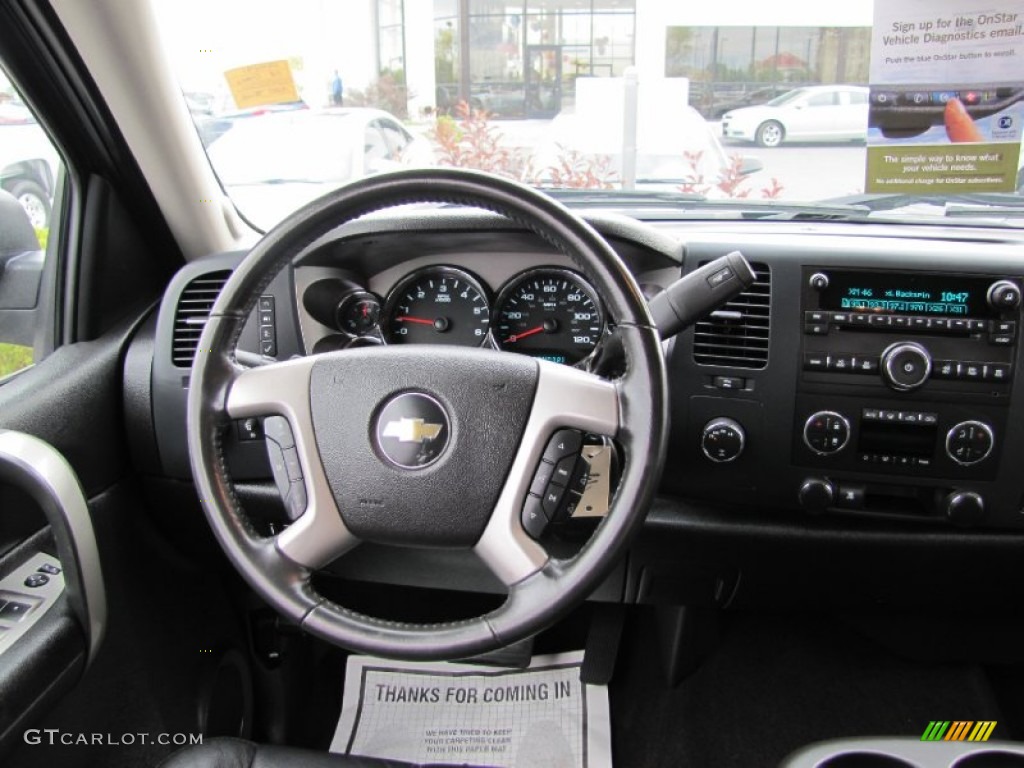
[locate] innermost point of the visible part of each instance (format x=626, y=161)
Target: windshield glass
x=786, y=98
x=634, y=99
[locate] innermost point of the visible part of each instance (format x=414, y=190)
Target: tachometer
x=438, y=305
x=549, y=313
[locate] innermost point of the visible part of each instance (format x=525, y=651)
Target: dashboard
x=860, y=396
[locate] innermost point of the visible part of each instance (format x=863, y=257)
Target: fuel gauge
x=359, y=314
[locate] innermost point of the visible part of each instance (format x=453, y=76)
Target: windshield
x=786, y=98
x=637, y=100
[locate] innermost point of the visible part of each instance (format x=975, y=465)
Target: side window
x=29, y=167
x=823, y=100
x=375, y=148
x=857, y=97
x=397, y=138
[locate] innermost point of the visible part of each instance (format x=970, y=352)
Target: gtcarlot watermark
x=54, y=736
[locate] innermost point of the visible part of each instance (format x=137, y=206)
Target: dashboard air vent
x=194, y=306
x=736, y=335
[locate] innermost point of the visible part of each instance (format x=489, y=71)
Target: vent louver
x=737, y=335
x=194, y=306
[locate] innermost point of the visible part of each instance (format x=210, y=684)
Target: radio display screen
x=913, y=294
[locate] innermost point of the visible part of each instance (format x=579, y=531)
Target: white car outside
x=313, y=152
x=815, y=113
x=28, y=169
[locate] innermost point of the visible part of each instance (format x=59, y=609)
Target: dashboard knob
x=816, y=494
x=722, y=440
x=1003, y=295
x=969, y=442
x=818, y=281
x=964, y=507
x=826, y=432
x=906, y=365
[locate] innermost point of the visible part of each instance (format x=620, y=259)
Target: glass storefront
x=524, y=57
x=736, y=66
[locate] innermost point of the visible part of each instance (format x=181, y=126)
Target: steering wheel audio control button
x=563, y=470
x=534, y=519
x=552, y=500
x=565, y=442
x=541, y=478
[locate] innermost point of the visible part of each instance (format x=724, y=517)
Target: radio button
x=907, y=365
x=815, y=317
x=1001, y=340
x=919, y=323
x=996, y=372
x=862, y=364
x=820, y=329
x=977, y=326
x=959, y=326
x=815, y=361
x=944, y=369
x=908, y=417
x=900, y=321
x=870, y=414
x=969, y=371
x=840, y=363
x=1007, y=327
x=929, y=419
x=841, y=318
x=880, y=321
x=889, y=415
x=859, y=318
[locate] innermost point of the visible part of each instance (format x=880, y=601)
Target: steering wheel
x=425, y=446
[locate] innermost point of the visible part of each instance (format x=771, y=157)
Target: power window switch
x=12, y=610
x=52, y=570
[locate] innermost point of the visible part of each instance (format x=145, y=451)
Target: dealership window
x=733, y=65
x=524, y=57
x=391, y=39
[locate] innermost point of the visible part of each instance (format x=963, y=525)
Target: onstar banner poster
x=947, y=83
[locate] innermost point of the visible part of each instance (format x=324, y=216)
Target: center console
x=903, y=373
x=886, y=392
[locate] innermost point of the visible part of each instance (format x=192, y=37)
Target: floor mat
x=440, y=713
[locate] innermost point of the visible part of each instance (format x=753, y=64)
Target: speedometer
x=553, y=314
x=439, y=305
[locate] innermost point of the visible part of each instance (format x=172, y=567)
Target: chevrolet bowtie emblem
x=412, y=430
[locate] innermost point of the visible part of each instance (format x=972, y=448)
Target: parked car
x=314, y=152
x=681, y=152
x=28, y=169
x=815, y=113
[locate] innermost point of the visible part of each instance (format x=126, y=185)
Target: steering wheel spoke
x=565, y=398
x=319, y=535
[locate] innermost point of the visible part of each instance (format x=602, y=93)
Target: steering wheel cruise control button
x=284, y=463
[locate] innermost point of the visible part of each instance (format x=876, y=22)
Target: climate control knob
x=826, y=432
x=1003, y=295
x=969, y=442
x=723, y=440
x=906, y=365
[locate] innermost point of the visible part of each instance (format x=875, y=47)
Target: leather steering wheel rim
x=540, y=590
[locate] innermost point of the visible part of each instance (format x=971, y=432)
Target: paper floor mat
x=461, y=714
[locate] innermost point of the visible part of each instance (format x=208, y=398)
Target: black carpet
x=777, y=683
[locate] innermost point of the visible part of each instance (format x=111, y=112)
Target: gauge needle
x=524, y=334
x=420, y=320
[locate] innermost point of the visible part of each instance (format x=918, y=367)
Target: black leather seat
x=238, y=753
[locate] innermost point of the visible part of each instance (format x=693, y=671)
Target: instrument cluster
x=547, y=312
